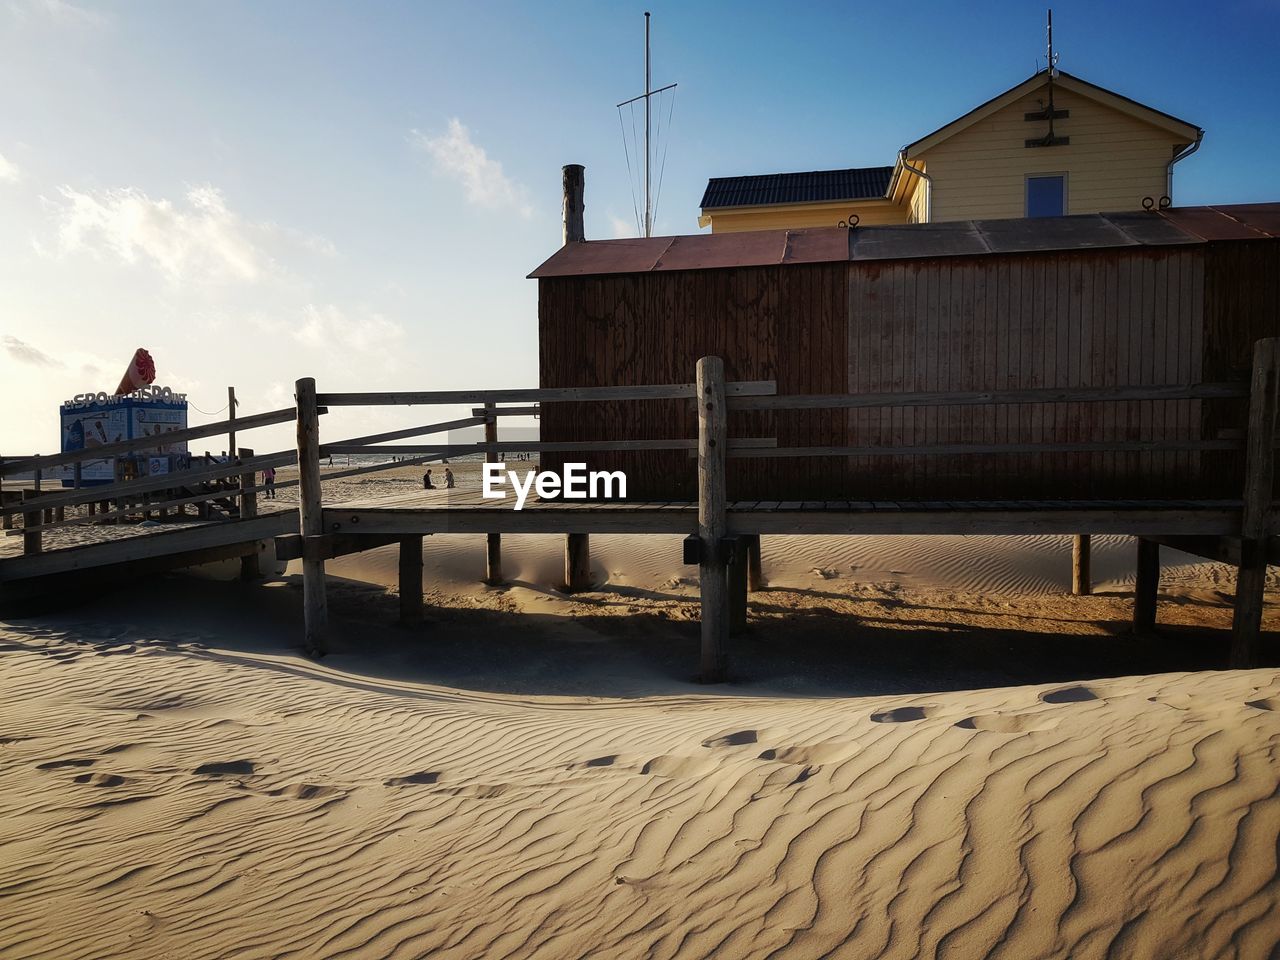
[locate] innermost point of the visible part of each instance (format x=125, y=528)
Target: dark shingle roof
x=859, y=183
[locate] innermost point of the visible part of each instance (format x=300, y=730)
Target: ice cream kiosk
x=137, y=409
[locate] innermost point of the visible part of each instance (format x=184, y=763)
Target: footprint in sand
x=812, y=754
x=226, y=768
x=903, y=714
x=59, y=764
x=608, y=761
x=1009, y=723
x=306, y=791
x=1076, y=694
x=102, y=779
x=426, y=777
x=739, y=738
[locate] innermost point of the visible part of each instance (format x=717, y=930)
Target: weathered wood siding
x=1012, y=322
x=1116, y=317
x=766, y=323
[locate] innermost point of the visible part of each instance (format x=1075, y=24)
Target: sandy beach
x=920, y=755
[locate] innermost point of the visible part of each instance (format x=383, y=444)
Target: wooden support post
x=310, y=517
x=738, y=587
x=712, y=442
x=411, y=579
x=1147, y=586
x=755, y=562
x=1081, y=580
x=250, y=568
x=31, y=539
x=493, y=541
x=1259, y=486
x=231, y=417
x=577, y=562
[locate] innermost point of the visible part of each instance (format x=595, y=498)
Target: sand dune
x=181, y=792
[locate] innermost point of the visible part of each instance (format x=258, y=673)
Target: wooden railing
x=214, y=480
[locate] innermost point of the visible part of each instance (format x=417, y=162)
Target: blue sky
x=262, y=191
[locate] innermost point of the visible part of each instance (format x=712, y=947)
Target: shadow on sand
x=787, y=652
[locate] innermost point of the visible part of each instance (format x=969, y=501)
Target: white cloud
x=201, y=241
x=622, y=229
x=332, y=328
x=61, y=12
x=9, y=171
x=458, y=156
x=24, y=352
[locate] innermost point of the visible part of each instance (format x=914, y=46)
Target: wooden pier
x=722, y=535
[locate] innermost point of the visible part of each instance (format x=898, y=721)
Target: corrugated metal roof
x=706, y=251
x=814, y=186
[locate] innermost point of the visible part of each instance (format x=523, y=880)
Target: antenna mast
x=648, y=118
x=647, y=97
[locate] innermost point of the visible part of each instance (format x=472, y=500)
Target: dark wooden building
x=1172, y=297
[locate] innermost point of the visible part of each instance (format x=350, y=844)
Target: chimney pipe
x=573, y=203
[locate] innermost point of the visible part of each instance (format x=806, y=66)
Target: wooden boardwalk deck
x=454, y=511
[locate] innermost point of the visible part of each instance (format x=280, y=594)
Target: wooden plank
x=289, y=546
x=712, y=434
x=737, y=587
x=1020, y=517
x=542, y=395
x=1147, y=585
x=950, y=449
x=311, y=518
x=755, y=562
x=443, y=427
x=1081, y=579
x=191, y=538
x=1259, y=486
x=493, y=541
x=126, y=489
x=577, y=562
x=527, y=411
x=944, y=398
x=537, y=446
x=410, y=570
x=31, y=464
x=250, y=569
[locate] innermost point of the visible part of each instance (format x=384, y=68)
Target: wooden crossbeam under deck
x=445, y=515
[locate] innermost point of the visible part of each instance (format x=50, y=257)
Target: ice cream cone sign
x=142, y=370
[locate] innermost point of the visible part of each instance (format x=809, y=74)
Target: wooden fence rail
x=33, y=464
x=832, y=401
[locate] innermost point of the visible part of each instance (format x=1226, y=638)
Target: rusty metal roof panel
x=597, y=257
x=1263, y=217
x=1176, y=225
x=1149, y=229
x=1208, y=223
x=817, y=245
x=706, y=251
x=908, y=242
x=1082, y=232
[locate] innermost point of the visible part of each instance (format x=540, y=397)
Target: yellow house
x=1053, y=145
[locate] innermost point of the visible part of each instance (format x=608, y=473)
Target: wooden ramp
x=25, y=576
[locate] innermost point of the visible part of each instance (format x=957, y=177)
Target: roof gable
x=1156, y=118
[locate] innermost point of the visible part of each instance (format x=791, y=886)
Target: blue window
x=1047, y=196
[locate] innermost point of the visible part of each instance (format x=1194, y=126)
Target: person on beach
x=426, y=481
x=269, y=478
x=448, y=478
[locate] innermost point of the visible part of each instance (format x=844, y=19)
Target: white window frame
x=1026, y=189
